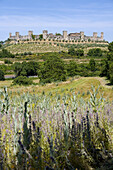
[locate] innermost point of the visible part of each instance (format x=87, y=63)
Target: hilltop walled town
x=50, y=36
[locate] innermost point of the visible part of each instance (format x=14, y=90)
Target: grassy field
x=34, y=48
x=50, y=127
x=81, y=85
x=42, y=48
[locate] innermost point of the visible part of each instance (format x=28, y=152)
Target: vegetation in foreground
x=55, y=132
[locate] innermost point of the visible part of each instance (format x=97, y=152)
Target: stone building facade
x=65, y=36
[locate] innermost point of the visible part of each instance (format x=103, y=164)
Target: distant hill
x=51, y=47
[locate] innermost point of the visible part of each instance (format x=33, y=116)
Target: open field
x=80, y=85
x=52, y=126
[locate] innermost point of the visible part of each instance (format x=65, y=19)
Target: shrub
x=71, y=51
x=111, y=72
x=97, y=52
x=110, y=47
x=79, y=52
x=92, y=64
x=6, y=54
x=22, y=80
x=2, y=75
x=7, y=61
x=72, y=68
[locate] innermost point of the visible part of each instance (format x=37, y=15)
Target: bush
x=2, y=75
x=22, y=80
x=97, y=52
x=111, y=72
x=71, y=51
x=92, y=64
x=72, y=68
x=79, y=52
x=7, y=61
x=6, y=54
x=110, y=47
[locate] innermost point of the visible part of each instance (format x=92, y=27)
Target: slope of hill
x=51, y=47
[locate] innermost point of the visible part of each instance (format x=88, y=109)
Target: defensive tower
x=45, y=32
x=102, y=36
x=10, y=34
x=17, y=34
x=95, y=35
x=82, y=35
x=65, y=35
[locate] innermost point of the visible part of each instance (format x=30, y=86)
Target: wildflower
x=12, y=166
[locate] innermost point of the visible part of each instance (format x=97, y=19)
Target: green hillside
x=55, y=47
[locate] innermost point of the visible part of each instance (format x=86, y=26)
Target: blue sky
x=55, y=16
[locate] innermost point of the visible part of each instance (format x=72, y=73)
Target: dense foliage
x=78, y=52
x=107, y=64
x=72, y=69
x=26, y=68
x=110, y=47
x=2, y=75
x=96, y=52
x=55, y=132
x=92, y=64
x=22, y=80
x=53, y=69
x=1, y=43
x=6, y=54
x=6, y=61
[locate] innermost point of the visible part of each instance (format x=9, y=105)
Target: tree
x=110, y=47
x=79, y=52
x=41, y=36
x=107, y=67
x=26, y=68
x=33, y=37
x=2, y=75
x=96, y=52
x=111, y=72
x=92, y=64
x=58, y=34
x=52, y=70
x=6, y=54
x=71, y=51
x=72, y=68
x=17, y=68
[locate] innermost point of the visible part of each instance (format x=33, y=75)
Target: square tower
x=10, y=34
x=102, y=36
x=45, y=32
x=95, y=35
x=82, y=35
x=65, y=35
x=17, y=34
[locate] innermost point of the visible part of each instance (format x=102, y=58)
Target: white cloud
x=53, y=23
x=35, y=21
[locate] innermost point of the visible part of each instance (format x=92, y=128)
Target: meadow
x=63, y=125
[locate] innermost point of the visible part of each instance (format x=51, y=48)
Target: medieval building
x=65, y=36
